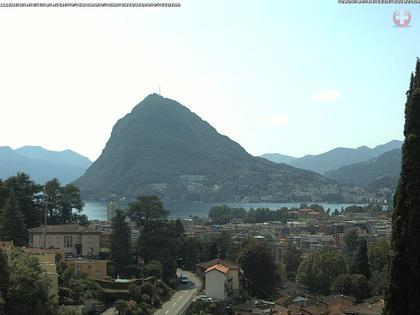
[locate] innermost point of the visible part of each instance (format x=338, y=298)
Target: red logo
x=402, y=18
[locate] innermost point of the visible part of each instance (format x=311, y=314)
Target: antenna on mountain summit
x=159, y=89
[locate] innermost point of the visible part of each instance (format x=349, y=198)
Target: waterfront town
x=218, y=285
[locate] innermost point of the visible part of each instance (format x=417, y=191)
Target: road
x=182, y=297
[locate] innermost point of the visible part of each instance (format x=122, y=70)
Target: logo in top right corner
x=402, y=18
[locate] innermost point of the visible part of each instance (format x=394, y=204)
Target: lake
x=181, y=209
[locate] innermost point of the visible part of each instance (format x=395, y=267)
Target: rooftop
x=217, y=267
x=64, y=228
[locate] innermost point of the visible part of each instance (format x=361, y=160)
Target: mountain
x=278, y=158
x=67, y=157
x=379, y=172
x=41, y=164
x=162, y=148
x=339, y=157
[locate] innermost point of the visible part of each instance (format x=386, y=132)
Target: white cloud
x=326, y=96
x=276, y=120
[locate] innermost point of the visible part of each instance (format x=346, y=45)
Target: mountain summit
x=163, y=148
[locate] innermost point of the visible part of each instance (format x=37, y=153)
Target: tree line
x=24, y=203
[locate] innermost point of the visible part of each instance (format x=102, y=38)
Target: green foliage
x=28, y=291
x=153, y=268
x=224, y=214
x=75, y=289
x=4, y=280
x=12, y=226
x=378, y=254
x=292, y=258
x=351, y=242
x=120, y=240
x=402, y=292
x=355, y=285
x=319, y=270
x=255, y=258
x=360, y=263
x=27, y=197
x=60, y=202
x=146, y=211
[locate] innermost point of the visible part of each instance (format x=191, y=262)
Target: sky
x=293, y=77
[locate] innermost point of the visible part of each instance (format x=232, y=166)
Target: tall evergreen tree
x=402, y=294
x=12, y=226
x=360, y=264
x=27, y=196
x=4, y=280
x=120, y=240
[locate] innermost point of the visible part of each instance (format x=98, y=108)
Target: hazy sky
x=294, y=77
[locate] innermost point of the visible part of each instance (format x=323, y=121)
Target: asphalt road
x=182, y=297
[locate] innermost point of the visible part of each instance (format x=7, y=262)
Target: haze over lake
x=182, y=209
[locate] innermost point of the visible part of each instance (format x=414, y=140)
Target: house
x=92, y=268
x=232, y=276
x=218, y=284
x=255, y=307
x=74, y=239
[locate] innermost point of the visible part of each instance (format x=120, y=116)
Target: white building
x=221, y=281
x=111, y=210
x=74, y=239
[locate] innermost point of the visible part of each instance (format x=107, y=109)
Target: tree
x=213, y=250
x=402, y=295
x=120, y=239
x=153, y=268
x=27, y=196
x=360, y=263
x=147, y=210
x=291, y=260
x=351, y=242
x=342, y=285
x=355, y=285
x=378, y=254
x=60, y=202
x=255, y=258
x=4, y=280
x=360, y=286
x=12, y=226
x=319, y=270
x=28, y=287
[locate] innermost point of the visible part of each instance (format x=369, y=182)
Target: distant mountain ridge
x=278, y=158
x=42, y=164
x=379, y=172
x=163, y=148
x=339, y=157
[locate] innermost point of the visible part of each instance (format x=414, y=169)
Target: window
x=68, y=241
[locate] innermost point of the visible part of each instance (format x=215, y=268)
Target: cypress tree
x=4, y=280
x=120, y=240
x=360, y=263
x=402, y=293
x=12, y=226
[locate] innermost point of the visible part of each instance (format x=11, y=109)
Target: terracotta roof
x=64, y=228
x=217, y=267
x=227, y=263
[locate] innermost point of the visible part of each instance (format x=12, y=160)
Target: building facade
x=74, y=239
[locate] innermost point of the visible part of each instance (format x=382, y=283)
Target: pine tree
x=402, y=294
x=120, y=240
x=12, y=222
x=360, y=263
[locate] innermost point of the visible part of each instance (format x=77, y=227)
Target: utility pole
x=45, y=217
